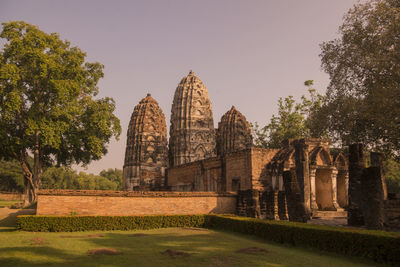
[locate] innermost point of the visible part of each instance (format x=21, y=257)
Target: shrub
x=377, y=245
x=90, y=223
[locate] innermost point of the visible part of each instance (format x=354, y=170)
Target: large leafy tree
x=48, y=107
x=294, y=120
x=363, y=98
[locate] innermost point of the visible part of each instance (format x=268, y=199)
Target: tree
x=113, y=175
x=48, y=107
x=11, y=176
x=66, y=178
x=294, y=120
x=363, y=97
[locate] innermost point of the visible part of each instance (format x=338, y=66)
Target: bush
x=376, y=245
x=91, y=223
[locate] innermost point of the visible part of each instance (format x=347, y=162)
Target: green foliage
x=66, y=178
x=87, y=223
x=47, y=103
x=364, y=68
x=11, y=176
x=392, y=174
x=113, y=175
x=294, y=120
x=377, y=245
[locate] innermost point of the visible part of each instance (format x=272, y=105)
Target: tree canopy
x=294, y=120
x=48, y=107
x=363, y=97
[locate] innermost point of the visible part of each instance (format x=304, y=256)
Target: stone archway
x=323, y=189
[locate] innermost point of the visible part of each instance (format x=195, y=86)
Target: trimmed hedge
x=39, y=223
x=376, y=245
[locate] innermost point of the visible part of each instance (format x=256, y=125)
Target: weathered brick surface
x=85, y=202
x=261, y=178
x=11, y=196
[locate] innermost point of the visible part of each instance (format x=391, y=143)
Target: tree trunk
x=32, y=178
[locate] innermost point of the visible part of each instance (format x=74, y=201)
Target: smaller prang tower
x=146, y=155
x=233, y=133
x=192, y=134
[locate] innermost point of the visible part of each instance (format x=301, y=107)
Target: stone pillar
x=314, y=206
x=373, y=198
x=357, y=164
x=302, y=172
x=282, y=206
x=276, y=205
x=377, y=161
x=295, y=204
x=248, y=203
x=334, y=189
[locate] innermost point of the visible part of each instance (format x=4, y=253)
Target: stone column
x=334, y=189
x=276, y=205
x=373, y=198
x=357, y=164
x=295, y=204
x=302, y=172
x=346, y=184
x=282, y=206
x=314, y=205
x=377, y=161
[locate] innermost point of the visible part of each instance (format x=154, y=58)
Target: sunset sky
x=248, y=53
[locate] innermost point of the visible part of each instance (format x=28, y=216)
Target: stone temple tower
x=192, y=133
x=233, y=133
x=146, y=155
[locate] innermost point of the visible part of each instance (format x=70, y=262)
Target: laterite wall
x=11, y=196
x=93, y=202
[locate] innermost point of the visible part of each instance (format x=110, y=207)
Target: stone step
x=329, y=214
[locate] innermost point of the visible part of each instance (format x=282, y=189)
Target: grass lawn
x=187, y=246
x=8, y=203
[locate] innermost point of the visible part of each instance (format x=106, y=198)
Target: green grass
x=8, y=203
x=209, y=248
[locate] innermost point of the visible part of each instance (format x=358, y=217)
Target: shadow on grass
x=206, y=248
x=8, y=217
x=145, y=250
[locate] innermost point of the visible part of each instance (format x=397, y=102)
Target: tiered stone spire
x=233, y=133
x=146, y=150
x=192, y=133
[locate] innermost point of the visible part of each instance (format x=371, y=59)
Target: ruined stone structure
x=202, y=158
x=233, y=133
x=192, y=133
x=146, y=149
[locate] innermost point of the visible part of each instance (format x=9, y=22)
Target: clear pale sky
x=248, y=53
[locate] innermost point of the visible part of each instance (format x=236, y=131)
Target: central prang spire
x=192, y=133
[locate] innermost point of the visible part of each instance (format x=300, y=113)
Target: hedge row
x=90, y=223
x=376, y=245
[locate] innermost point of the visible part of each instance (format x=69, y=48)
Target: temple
x=202, y=158
x=146, y=154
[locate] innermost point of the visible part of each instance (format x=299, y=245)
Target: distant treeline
x=11, y=178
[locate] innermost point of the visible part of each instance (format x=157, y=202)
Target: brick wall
x=238, y=170
x=204, y=175
x=11, y=196
x=93, y=202
x=261, y=179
